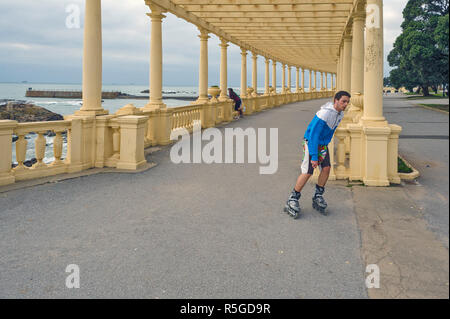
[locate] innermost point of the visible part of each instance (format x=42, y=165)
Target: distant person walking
x=237, y=102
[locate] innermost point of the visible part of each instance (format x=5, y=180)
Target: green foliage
x=420, y=53
x=402, y=167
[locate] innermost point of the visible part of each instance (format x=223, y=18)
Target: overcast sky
x=37, y=46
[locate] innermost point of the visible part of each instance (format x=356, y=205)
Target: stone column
x=326, y=81
x=315, y=80
x=254, y=74
x=357, y=65
x=203, y=68
x=346, y=72
x=243, y=72
x=223, y=71
x=303, y=79
x=340, y=68
x=289, y=79
x=266, y=82
x=92, y=60
x=283, y=78
x=310, y=80
x=297, y=80
x=274, y=75
x=321, y=81
x=156, y=78
x=373, y=64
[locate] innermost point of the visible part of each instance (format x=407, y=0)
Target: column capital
x=203, y=34
x=223, y=43
x=254, y=55
x=267, y=60
x=243, y=52
x=156, y=12
x=359, y=16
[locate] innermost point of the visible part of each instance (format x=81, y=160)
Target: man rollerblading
x=315, y=153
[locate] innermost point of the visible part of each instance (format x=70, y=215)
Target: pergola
x=343, y=38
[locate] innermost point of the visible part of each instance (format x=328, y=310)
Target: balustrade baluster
x=57, y=148
x=39, y=144
x=21, y=150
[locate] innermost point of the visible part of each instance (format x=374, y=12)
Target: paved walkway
x=216, y=231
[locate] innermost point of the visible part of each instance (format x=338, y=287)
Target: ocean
x=16, y=91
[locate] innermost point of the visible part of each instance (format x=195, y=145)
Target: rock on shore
x=26, y=112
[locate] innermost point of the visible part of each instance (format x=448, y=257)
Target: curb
x=408, y=176
x=432, y=108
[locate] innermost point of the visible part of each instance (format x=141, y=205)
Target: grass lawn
x=414, y=96
x=442, y=107
x=402, y=167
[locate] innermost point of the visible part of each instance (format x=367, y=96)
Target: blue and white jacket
x=321, y=129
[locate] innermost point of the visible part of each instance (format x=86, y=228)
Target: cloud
x=35, y=44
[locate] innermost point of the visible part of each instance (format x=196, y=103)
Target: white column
x=303, y=79
x=283, y=78
x=289, y=69
x=203, y=68
x=310, y=80
x=373, y=65
x=243, y=72
x=223, y=70
x=266, y=82
x=274, y=75
x=254, y=74
x=92, y=60
x=347, y=66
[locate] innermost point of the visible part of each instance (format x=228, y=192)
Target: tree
x=386, y=81
x=420, y=53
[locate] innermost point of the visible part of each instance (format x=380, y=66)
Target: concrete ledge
x=408, y=176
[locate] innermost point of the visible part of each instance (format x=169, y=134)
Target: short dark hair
x=340, y=94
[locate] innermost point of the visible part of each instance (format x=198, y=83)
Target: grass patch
x=402, y=167
x=414, y=96
x=442, y=107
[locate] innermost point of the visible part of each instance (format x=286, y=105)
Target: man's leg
x=323, y=177
x=301, y=182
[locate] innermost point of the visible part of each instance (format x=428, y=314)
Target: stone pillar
x=6, y=132
x=341, y=69
x=357, y=67
x=243, y=72
x=156, y=77
x=266, y=82
x=321, y=81
x=274, y=75
x=92, y=60
x=223, y=71
x=373, y=64
x=254, y=74
x=297, y=80
x=289, y=79
x=347, y=59
x=326, y=81
x=283, y=78
x=303, y=79
x=203, y=68
x=315, y=80
x=310, y=80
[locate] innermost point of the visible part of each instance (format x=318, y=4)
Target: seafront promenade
x=218, y=230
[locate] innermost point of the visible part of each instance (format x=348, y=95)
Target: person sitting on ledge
x=237, y=102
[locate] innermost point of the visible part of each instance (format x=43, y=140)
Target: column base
x=374, y=182
x=91, y=112
x=154, y=106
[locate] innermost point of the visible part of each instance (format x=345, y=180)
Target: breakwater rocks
x=67, y=94
x=26, y=112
